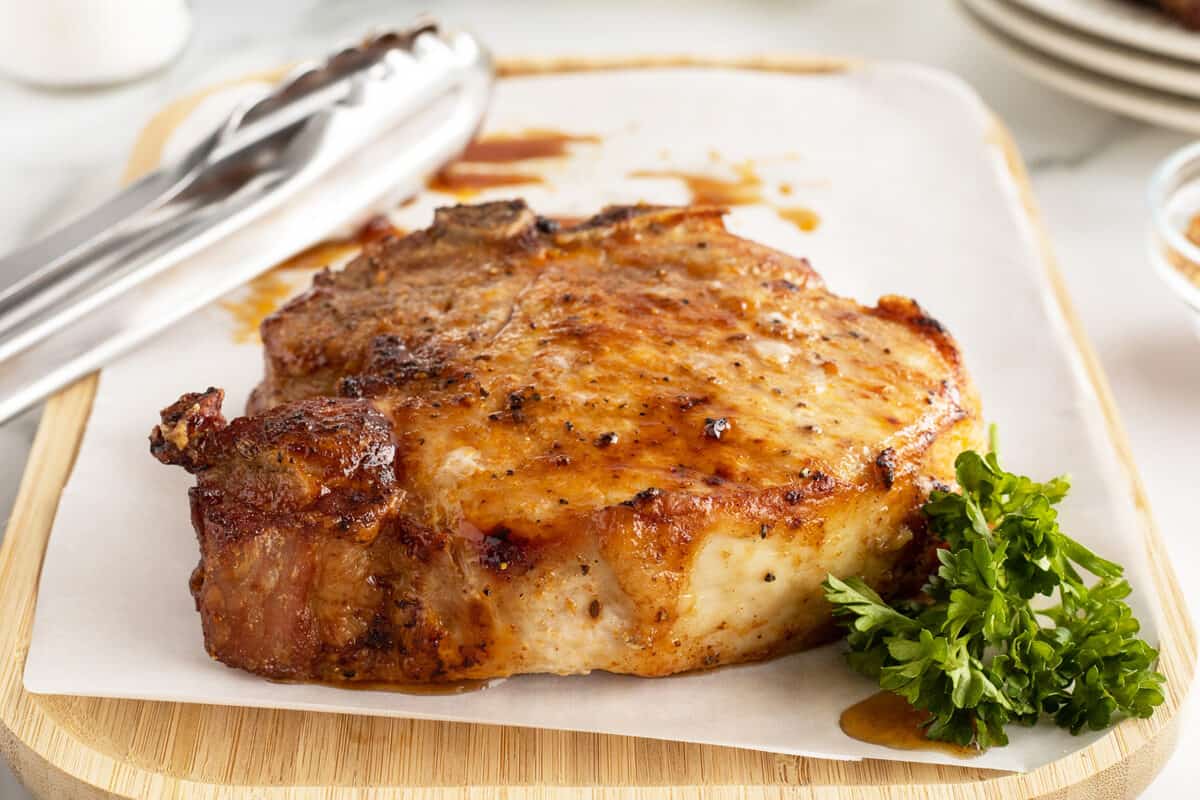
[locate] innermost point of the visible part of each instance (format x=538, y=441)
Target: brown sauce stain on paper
x=265, y=294
x=260, y=298
x=474, y=170
x=319, y=255
x=887, y=719
x=508, y=148
x=745, y=188
x=330, y=251
x=805, y=219
x=465, y=184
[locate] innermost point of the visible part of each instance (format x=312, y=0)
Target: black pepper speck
x=715, y=427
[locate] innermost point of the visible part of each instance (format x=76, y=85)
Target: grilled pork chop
x=496, y=447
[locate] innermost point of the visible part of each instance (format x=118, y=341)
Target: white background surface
x=63, y=150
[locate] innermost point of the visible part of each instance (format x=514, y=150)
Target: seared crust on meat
x=496, y=446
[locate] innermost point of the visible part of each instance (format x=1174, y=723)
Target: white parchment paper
x=914, y=198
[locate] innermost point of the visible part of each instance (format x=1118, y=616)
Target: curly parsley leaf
x=975, y=653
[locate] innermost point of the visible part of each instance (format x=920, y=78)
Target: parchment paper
x=913, y=198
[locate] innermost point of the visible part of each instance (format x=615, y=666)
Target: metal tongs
x=70, y=302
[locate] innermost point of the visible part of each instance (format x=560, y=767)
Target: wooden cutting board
x=79, y=747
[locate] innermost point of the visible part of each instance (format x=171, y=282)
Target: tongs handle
x=261, y=156
x=309, y=89
x=31, y=267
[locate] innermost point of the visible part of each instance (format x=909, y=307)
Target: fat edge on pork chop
x=498, y=446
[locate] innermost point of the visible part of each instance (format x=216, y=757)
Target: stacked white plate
x=1123, y=55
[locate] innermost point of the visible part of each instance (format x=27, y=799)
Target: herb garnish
x=973, y=651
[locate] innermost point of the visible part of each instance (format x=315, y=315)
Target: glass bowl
x=1174, y=209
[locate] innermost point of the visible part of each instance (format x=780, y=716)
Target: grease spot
x=805, y=219
x=474, y=170
x=745, y=188
x=887, y=719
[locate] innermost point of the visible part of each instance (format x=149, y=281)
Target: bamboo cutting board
x=78, y=747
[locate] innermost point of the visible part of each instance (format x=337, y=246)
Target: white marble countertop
x=64, y=150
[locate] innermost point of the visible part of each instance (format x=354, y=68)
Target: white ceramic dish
x=905, y=169
x=1174, y=200
x=1124, y=22
x=1089, y=52
x=1140, y=102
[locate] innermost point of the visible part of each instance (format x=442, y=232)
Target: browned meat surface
x=496, y=447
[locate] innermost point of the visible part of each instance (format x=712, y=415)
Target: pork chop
x=496, y=446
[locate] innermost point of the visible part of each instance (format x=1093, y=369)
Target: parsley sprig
x=973, y=650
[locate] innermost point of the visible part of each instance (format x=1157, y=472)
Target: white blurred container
x=1174, y=205
x=81, y=43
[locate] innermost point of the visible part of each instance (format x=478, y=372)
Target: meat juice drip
x=803, y=218
x=746, y=188
x=262, y=296
x=888, y=720
x=530, y=144
x=258, y=300
x=708, y=190
x=463, y=184
x=472, y=171
x=330, y=251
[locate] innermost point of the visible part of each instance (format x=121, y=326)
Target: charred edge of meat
x=512, y=221
x=328, y=458
x=909, y=312
x=178, y=439
x=614, y=215
x=391, y=363
x=503, y=220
